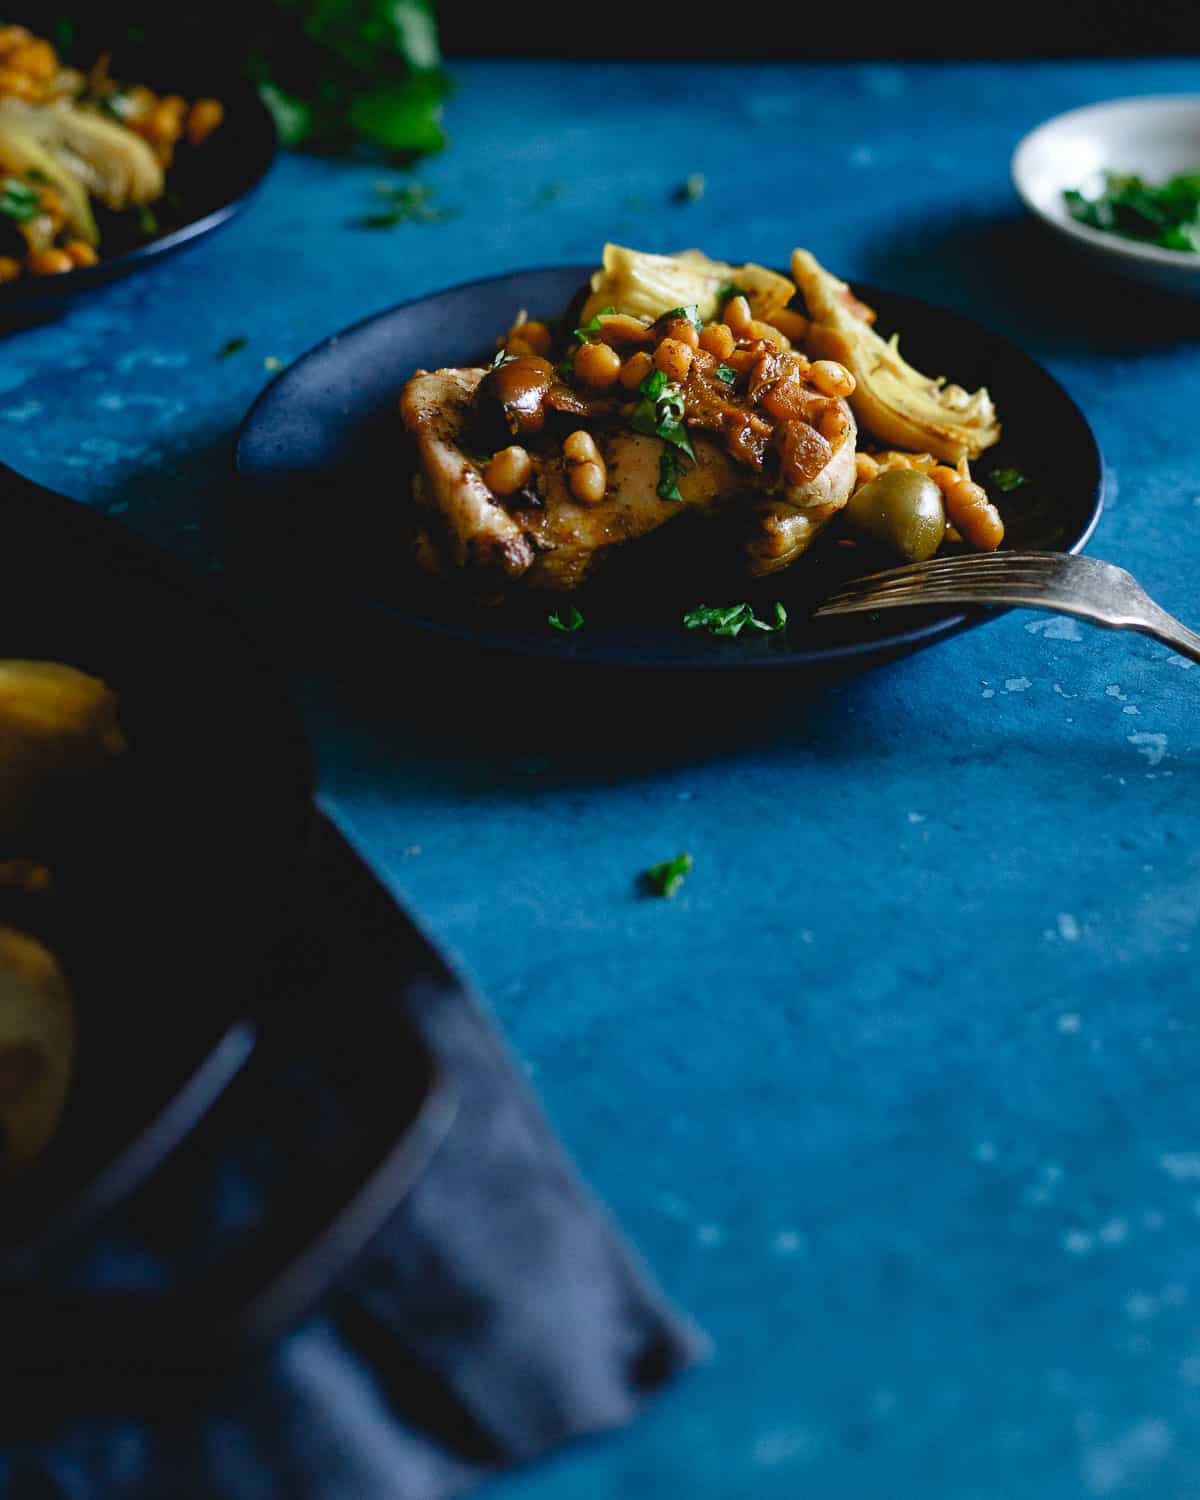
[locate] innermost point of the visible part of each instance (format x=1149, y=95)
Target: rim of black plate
x=595, y=651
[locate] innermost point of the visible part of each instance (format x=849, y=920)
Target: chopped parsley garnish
x=408, y=203
x=670, y=467
x=732, y=619
x=1007, y=480
x=573, y=621
x=232, y=346
x=1166, y=214
x=18, y=200
x=665, y=879
x=660, y=412
x=726, y=373
x=727, y=293
x=502, y=357
x=691, y=314
x=592, y=325
x=147, y=220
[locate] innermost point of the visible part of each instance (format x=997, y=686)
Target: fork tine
x=856, y=603
x=924, y=587
x=968, y=566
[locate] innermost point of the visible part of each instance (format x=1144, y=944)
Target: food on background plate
x=687, y=386
x=1165, y=214
x=71, y=143
x=59, y=731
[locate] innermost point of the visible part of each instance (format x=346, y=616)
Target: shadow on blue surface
x=1008, y=272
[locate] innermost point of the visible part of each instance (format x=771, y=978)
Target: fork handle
x=1167, y=629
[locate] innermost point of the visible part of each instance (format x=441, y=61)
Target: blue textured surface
x=898, y=1095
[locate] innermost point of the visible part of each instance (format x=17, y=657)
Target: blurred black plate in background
x=205, y=186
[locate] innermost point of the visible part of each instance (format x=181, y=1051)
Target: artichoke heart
x=895, y=404
x=646, y=286
x=37, y=1048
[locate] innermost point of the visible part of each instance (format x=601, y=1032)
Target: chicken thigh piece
x=546, y=538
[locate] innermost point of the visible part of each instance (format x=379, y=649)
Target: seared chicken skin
x=777, y=480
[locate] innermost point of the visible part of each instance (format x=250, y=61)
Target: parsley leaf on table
x=665, y=879
x=408, y=203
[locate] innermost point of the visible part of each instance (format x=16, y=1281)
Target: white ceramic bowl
x=1156, y=137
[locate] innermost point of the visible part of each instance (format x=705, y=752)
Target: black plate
x=206, y=186
x=326, y=471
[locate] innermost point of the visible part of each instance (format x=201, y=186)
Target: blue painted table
x=899, y=1095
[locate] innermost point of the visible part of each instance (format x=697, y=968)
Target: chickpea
x=18, y=84
x=894, y=460
x=674, y=359
x=535, y=336
x=13, y=36
x=683, y=331
x=635, y=369
x=50, y=263
x=944, y=477
x=517, y=345
x=792, y=325
x=831, y=379
x=586, y=473
x=973, y=514
x=162, y=125
x=737, y=315
x=36, y=59
x=10, y=268
x=207, y=114
x=597, y=365
x=579, y=447
x=717, y=340
x=588, y=483
x=507, y=471
x=81, y=253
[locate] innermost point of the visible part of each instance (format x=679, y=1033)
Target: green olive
x=902, y=510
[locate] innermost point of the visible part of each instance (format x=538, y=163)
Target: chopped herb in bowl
x=1165, y=214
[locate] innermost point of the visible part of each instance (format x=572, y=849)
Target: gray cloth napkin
x=497, y=1315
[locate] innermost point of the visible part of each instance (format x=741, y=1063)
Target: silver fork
x=1083, y=586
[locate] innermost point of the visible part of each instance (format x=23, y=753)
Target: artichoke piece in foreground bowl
x=37, y=1048
x=55, y=721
